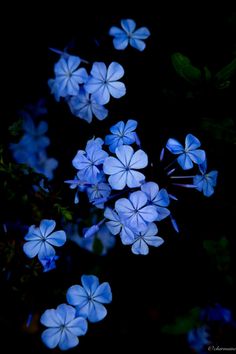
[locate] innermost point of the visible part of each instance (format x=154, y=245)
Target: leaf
x=223, y=76
x=185, y=69
x=224, y=130
x=185, y=323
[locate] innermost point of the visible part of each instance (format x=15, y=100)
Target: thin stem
x=182, y=176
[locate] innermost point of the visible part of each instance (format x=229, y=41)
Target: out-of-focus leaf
x=222, y=78
x=224, y=130
x=183, y=324
x=207, y=73
x=185, y=69
x=219, y=253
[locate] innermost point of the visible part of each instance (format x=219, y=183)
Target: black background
x=150, y=291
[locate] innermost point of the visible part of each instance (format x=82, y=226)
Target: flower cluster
x=86, y=94
x=101, y=175
x=31, y=149
x=211, y=317
x=189, y=155
x=68, y=322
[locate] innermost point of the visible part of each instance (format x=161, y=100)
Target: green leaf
x=223, y=76
x=185, y=69
x=183, y=324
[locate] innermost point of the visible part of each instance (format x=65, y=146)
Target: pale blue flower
x=122, y=134
x=158, y=198
x=102, y=82
x=68, y=77
x=122, y=170
x=90, y=297
x=129, y=35
x=40, y=240
x=64, y=327
x=135, y=212
x=85, y=107
x=88, y=161
x=143, y=239
x=189, y=154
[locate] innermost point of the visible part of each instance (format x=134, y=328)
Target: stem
x=182, y=176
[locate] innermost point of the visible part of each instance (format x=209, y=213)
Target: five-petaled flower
x=64, y=327
x=135, y=212
x=102, y=82
x=90, y=297
x=40, y=240
x=188, y=154
x=122, y=134
x=141, y=240
x=67, y=76
x=122, y=170
x=129, y=35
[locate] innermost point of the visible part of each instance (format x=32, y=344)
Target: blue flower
x=48, y=262
x=85, y=106
x=68, y=76
x=34, y=135
x=64, y=327
x=43, y=164
x=103, y=236
x=128, y=35
x=122, y=134
x=141, y=240
x=159, y=198
x=135, y=212
x=90, y=297
x=40, y=240
x=99, y=190
x=102, y=82
x=188, y=154
x=122, y=171
x=206, y=181
x=87, y=161
x=198, y=338
x=116, y=225
x=216, y=313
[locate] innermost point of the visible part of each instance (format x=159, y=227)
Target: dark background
x=148, y=292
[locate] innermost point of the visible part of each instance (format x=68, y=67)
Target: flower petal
x=103, y=293
x=115, y=71
x=174, y=146
x=191, y=142
x=47, y=226
x=31, y=248
x=128, y=25
x=96, y=312
x=51, y=337
x=90, y=283
x=77, y=296
x=57, y=238
x=50, y=318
